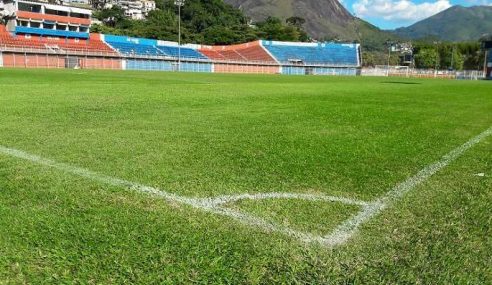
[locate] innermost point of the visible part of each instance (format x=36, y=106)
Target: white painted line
x=221, y=200
x=346, y=230
x=93, y=175
x=214, y=205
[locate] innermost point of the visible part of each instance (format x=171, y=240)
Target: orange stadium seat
x=93, y=44
x=249, y=52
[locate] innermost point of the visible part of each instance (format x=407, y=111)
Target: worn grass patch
x=315, y=217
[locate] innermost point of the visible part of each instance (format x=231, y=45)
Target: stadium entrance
x=72, y=62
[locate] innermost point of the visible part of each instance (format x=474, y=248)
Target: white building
x=134, y=9
x=68, y=2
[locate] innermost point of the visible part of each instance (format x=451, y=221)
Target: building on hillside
x=28, y=18
x=134, y=9
x=75, y=2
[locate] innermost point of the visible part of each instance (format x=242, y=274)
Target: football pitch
x=119, y=177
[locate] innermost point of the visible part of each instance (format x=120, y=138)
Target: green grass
x=316, y=217
x=203, y=135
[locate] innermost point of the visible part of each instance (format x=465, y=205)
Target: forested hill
x=324, y=18
x=454, y=24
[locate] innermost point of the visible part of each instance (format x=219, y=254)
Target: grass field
x=202, y=136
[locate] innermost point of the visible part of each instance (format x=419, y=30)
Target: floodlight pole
x=486, y=54
x=437, y=58
x=390, y=45
x=179, y=3
x=452, y=58
x=389, y=58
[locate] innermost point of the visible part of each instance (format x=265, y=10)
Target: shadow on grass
x=400, y=82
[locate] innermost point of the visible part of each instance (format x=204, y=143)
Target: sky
x=390, y=14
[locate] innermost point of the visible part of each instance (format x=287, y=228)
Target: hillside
x=454, y=24
x=325, y=19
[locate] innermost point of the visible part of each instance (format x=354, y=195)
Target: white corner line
x=348, y=229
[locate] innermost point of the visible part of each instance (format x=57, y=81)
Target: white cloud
x=398, y=10
x=480, y=2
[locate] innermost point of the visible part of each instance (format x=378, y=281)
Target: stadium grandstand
x=39, y=34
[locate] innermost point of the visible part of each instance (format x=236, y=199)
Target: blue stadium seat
x=317, y=53
x=129, y=48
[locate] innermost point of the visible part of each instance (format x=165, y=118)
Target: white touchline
x=217, y=205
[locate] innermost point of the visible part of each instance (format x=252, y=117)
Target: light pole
x=179, y=3
x=390, y=46
x=437, y=59
x=452, y=58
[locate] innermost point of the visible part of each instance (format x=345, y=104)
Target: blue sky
x=390, y=14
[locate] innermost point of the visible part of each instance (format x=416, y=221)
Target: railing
x=48, y=32
x=317, y=64
x=422, y=73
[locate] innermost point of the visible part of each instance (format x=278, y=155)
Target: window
x=22, y=23
x=72, y=28
x=35, y=25
x=56, y=12
x=61, y=27
x=29, y=7
x=84, y=29
x=49, y=26
x=78, y=15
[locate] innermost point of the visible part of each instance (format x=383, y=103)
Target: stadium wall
x=245, y=68
x=293, y=70
x=334, y=71
x=33, y=60
x=163, y=65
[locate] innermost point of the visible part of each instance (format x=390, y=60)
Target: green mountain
x=454, y=24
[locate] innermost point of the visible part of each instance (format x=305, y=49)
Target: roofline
x=42, y=3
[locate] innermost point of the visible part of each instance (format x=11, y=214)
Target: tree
x=273, y=29
x=296, y=21
x=427, y=58
x=111, y=17
x=99, y=4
